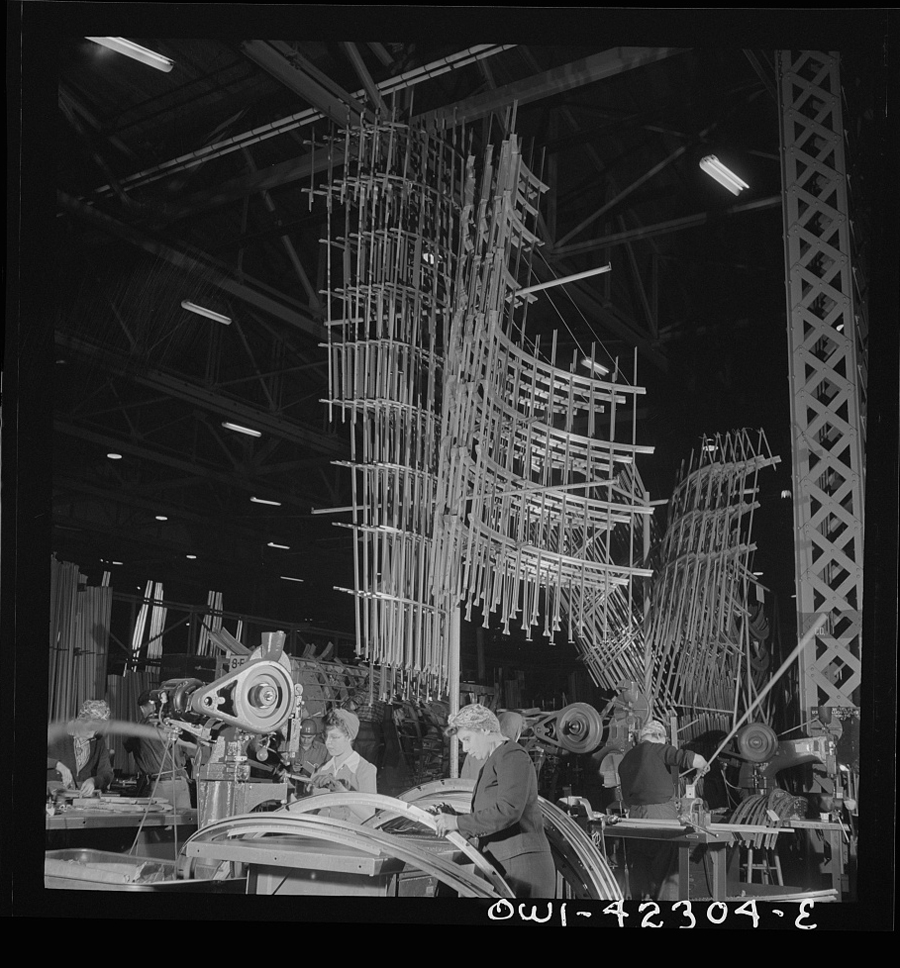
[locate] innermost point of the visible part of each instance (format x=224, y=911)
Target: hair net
x=474, y=716
x=653, y=727
x=344, y=719
x=94, y=709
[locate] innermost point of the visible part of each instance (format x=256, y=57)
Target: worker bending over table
x=506, y=816
x=648, y=792
x=80, y=758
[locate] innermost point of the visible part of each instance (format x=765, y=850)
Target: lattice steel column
x=827, y=378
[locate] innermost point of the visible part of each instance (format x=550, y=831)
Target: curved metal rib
x=572, y=847
x=350, y=835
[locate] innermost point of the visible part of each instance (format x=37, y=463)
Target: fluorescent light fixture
x=117, y=562
x=595, y=366
x=203, y=311
x=122, y=46
x=272, y=544
x=288, y=578
x=241, y=430
x=262, y=500
x=114, y=456
x=192, y=557
x=161, y=517
x=715, y=169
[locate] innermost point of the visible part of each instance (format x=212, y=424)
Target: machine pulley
x=577, y=728
x=258, y=697
x=756, y=742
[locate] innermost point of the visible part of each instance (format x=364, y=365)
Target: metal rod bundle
x=79, y=640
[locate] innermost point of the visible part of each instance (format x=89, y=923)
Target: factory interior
x=383, y=415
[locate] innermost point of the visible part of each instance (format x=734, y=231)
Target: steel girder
x=827, y=376
x=559, y=79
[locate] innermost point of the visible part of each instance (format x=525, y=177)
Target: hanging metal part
x=578, y=861
x=577, y=728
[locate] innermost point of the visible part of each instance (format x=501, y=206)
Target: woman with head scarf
x=346, y=771
x=506, y=816
x=81, y=758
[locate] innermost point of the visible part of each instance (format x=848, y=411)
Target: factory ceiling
x=199, y=184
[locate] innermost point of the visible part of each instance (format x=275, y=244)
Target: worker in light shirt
x=346, y=771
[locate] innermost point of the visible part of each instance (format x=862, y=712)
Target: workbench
x=714, y=837
x=305, y=866
x=161, y=833
x=835, y=835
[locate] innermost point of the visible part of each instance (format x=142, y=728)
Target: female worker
x=346, y=770
x=81, y=758
x=506, y=816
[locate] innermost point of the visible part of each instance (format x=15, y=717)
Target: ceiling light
x=272, y=544
x=117, y=562
x=192, y=557
x=122, y=46
x=114, y=456
x=288, y=578
x=596, y=367
x=715, y=169
x=240, y=429
x=260, y=500
x=203, y=311
x=161, y=517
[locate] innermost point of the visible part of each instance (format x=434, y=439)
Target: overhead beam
x=123, y=366
x=575, y=74
x=299, y=75
x=362, y=72
x=265, y=180
x=118, y=496
x=662, y=228
x=274, y=129
x=242, y=290
x=251, y=486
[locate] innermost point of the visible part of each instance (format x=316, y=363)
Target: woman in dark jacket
x=81, y=757
x=506, y=815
